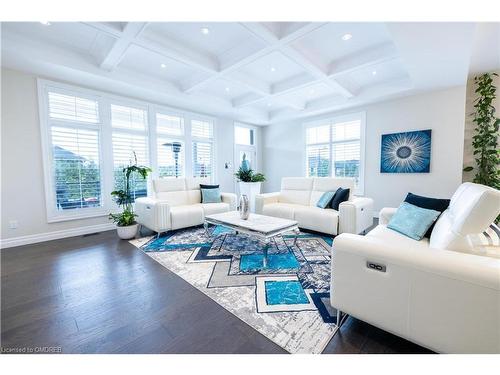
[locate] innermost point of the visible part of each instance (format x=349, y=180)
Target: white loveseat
x=297, y=201
x=437, y=293
x=176, y=203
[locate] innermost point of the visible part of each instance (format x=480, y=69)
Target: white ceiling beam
x=379, y=92
x=176, y=51
x=269, y=38
x=316, y=72
x=246, y=100
x=115, y=54
x=283, y=45
x=369, y=57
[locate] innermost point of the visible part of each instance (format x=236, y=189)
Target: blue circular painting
x=408, y=152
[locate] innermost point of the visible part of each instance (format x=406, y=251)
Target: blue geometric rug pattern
x=287, y=299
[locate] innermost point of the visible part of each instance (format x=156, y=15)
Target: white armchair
x=176, y=204
x=297, y=201
x=437, y=293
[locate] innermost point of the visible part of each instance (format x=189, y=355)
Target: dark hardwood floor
x=98, y=294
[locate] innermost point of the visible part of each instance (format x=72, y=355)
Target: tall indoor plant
x=485, y=139
x=126, y=225
x=249, y=182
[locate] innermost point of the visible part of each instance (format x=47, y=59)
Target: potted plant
x=485, y=139
x=249, y=182
x=126, y=226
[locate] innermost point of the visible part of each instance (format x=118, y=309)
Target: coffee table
x=263, y=228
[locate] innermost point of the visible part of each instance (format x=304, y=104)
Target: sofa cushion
x=296, y=190
x=322, y=184
x=473, y=207
x=341, y=195
x=325, y=199
x=210, y=196
x=205, y=186
x=296, y=183
x=193, y=183
x=412, y=221
x=283, y=210
x=429, y=203
x=214, y=208
x=391, y=237
x=175, y=198
x=161, y=185
x=323, y=220
x=186, y=216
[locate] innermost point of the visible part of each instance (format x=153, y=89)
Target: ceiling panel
x=271, y=69
x=373, y=75
x=308, y=93
x=71, y=35
x=326, y=43
x=225, y=89
x=146, y=62
x=221, y=38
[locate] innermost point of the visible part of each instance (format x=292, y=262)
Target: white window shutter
x=76, y=168
x=202, y=159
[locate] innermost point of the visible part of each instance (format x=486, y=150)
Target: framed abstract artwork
x=408, y=152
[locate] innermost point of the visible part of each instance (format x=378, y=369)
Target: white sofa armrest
x=386, y=214
x=263, y=199
x=355, y=215
x=153, y=214
x=231, y=199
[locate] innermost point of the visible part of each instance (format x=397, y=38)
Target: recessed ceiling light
x=46, y=23
x=374, y=73
x=269, y=104
x=205, y=30
x=163, y=66
x=273, y=69
x=346, y=36
x=227, y=89
x=311, y=91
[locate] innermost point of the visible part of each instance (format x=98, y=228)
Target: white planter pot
x=128, y=232
x=250, y=189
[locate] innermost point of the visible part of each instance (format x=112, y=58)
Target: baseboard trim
x=48, y=236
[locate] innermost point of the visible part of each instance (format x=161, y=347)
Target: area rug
x=287, y=300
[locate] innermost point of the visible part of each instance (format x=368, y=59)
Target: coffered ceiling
x=255, y=72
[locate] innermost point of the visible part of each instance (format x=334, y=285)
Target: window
x=202, y=148
x=334, y=148
x=130, y=145
x=74, y=172
x=89, y=137
x=243, y=136
x=170, y=145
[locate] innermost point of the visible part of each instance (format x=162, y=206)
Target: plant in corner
x=485, y=139
x=246, y=174
x=125, y=221
x=249, y=182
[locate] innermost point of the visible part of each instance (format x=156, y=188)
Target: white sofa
x=437, y=293
x=297, y=201
x=176, y=203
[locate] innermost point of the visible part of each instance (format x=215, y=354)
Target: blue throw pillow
x=325, y=199
x=210, y=195
x=341, y=195
x=429, y=203
x=412, y=221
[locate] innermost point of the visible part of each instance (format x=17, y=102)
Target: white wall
x=441, y=111
x=22, y=189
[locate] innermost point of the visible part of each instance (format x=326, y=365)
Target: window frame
x=330, y=121
x=105, y=147
x=54, y=215
x=211, y=140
